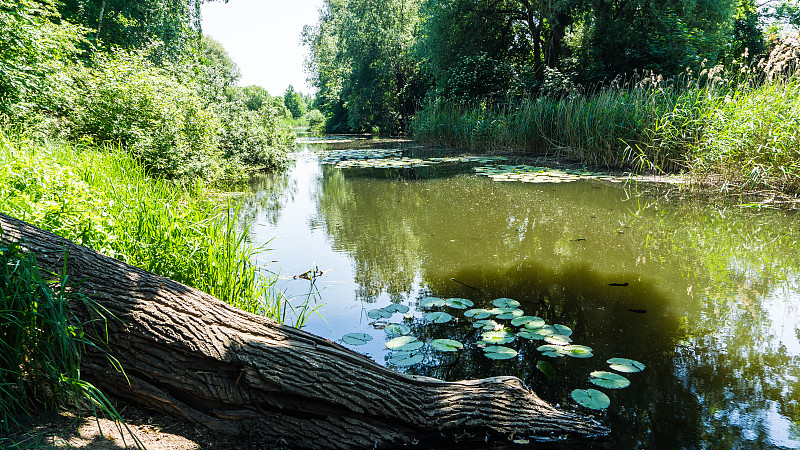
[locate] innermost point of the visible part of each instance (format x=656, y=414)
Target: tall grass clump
x=104, y=199
x=42, y=341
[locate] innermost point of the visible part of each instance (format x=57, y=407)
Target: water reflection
x=706, y=297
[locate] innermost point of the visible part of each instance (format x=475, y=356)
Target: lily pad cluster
x=531, y=174
x=594, y=399
x=394, y=159
x=336, y=156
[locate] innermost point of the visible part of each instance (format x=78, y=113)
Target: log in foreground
x=188, y=354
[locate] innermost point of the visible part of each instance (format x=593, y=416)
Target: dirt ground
x=154, y=431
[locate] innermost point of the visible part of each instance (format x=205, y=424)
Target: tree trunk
x=187, y=354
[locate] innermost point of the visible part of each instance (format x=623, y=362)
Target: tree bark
x=187, y=354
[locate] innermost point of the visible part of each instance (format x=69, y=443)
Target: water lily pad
x=430, y=302
x=486, y=324
x=626, y=365
x=458, y=303
x=553, y=351
x=497, y=337
x=557, y=339
x=404, y=359
x=379, y=313
x=578, y=351
x=477, y=313
x=546, y=330
x=499, y=352
x=608, y=380
x=546, y=368
x=563, y=330
x=505, y=303
x=394, y=307
x=396, y=329
x=438, y=317
x=510, y=313
x=446, y=345
x=356, y=338
x=536, y=322
x=404, y=343
x=591, y=398
x=527, y=334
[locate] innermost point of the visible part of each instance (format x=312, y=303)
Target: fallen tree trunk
x=187, y=354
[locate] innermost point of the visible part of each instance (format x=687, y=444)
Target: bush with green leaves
x=316, y=121
x=36, y=54
x=252, y=139
x=143, y=108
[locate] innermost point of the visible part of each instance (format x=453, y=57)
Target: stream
x=705, y=296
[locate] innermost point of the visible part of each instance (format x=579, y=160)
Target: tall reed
x=737, y=129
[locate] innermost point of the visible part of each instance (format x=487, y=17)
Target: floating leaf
x=458, y=303
x=557, y=339
x=626, y=365
x=563, y=330
x=510, y=313
x=430, y=302
x=394, y=307
x=397, y=329
x=438, y=317
x=546, y=368
x=356, y=338
x=498, y=352
x=497, y=337
x=446, y=345
x=536, y=322
x=404, y=343
x=546, y=330
x=553, y=351
x=608, y=380
x=379, y=313
x=486, y=324
x=477, y=313
x=578, y=351
x=404, y=359
x=591, y=398
x=506, y=303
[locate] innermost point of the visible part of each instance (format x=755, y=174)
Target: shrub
x=316, y=121
x=130, y=102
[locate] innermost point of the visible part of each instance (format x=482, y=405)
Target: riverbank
x=736, y=133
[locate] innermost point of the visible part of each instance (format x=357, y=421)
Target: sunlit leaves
x=477, y=313
x=397, y=329
x=591, y=398
x=625, y=365
x=446, y=345
x=438, y=317
x=486, y=324
x=497, y=337
x=356, y=338
x=458, y=303
x=506, y=303
x=608, y=380
x=431, y=302
x=528, y=321
x=578, y=351
x=510, y=313
x=404, y=343
x=499, y=352
x=406, y=358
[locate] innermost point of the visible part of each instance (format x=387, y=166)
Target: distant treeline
x=375, y=63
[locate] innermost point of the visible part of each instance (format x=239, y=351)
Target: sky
x=263, y=38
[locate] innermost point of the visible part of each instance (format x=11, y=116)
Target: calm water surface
x=710, y=306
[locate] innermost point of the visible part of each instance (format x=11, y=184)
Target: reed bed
x=740, y=131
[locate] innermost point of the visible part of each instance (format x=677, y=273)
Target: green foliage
x=293, y=102
x=132, y=103
x=217, y=72
x=169, y=28
x=315, y=120
x=104, y=199
x=36, y=51
x=43, y=340
x=476, y=78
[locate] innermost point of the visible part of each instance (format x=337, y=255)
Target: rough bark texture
x=188, y=354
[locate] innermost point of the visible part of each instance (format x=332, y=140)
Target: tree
x=194, y=357
x=293, y=102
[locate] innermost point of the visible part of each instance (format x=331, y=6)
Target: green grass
x=103, y=198
x=43, y=341
x=742, y=133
